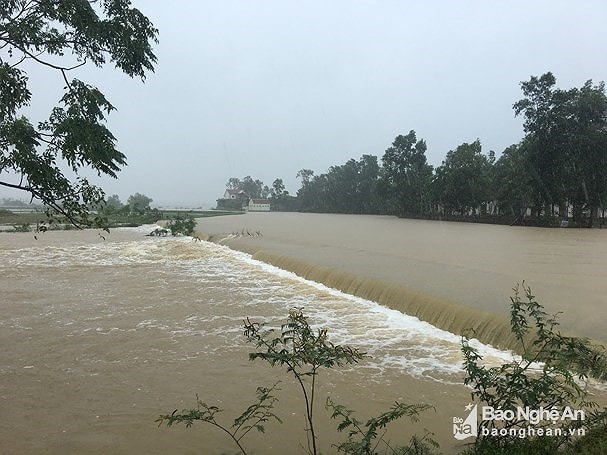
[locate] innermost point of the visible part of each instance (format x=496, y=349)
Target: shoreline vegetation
x=27, y=221
x=550, y=386
x=36, y=220
x=556, y=176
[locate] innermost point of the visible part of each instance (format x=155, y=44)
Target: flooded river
x=454, y=275
x=100, y=336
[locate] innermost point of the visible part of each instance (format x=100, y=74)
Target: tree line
x=558, y=171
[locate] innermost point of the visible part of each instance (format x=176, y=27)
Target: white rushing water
x=101, y=336
x=230, y=285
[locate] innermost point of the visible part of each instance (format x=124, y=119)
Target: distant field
x=10, y=218
x=197, y=213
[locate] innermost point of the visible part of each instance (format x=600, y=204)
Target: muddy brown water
x=448, y=273
x=100, y=336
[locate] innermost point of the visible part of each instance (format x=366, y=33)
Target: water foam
x=396, y=341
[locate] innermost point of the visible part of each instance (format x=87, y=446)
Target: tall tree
x=342, y=195
x=305, y=192
x=278, y=189
x=252, y=188
x=368, y=182
x=462, y=181
x=139, y=202
x=546, y=138
x=62, y=36
x=112, y=205
x=407, y=175
x=586, y=153
x=566, y=134
x=512, y=181
x=234, y=183
x=114, y=201
x=278, y=194
x=305, y=175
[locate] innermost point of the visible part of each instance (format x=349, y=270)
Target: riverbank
x=31, y=220
x=454, y=275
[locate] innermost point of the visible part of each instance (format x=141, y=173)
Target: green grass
x=8, y=218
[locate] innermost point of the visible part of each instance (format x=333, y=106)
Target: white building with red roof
x=258, y=205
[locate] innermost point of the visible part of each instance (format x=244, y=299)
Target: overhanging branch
x=51, y=204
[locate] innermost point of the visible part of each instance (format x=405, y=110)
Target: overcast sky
x=266, y=88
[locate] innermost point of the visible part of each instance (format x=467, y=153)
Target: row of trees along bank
x=558, y=171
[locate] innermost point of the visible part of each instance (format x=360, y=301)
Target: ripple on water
x=212, y=288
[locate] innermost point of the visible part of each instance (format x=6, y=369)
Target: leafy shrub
x=182, y=226
x=253, y=417
x=542, y=377
x=363, y=437
x=304, y=352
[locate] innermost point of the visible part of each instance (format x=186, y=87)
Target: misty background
x=266, y=88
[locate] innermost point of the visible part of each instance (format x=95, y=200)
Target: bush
x=253, y=417
x=363, y=437
x=551, y=373
x=182, y=226
x=542, y=377
x=304, y=352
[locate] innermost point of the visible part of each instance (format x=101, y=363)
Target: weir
x=486, y=327
x=456, y=276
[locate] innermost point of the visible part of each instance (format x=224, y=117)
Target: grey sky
x=265, y=88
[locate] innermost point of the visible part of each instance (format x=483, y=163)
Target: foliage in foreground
x=63, y=36
x=542, y=377
x=551, y=373
x=363, y=437
x=253, y=417
x=304, y=352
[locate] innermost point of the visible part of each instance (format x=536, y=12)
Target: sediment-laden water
x=454, y=275
x=99, y=336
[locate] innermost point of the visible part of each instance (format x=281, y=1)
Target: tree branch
x=51, y=204
x=43, y=62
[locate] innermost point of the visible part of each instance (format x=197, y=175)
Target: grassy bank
x=9, y=218
x=28, y=221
